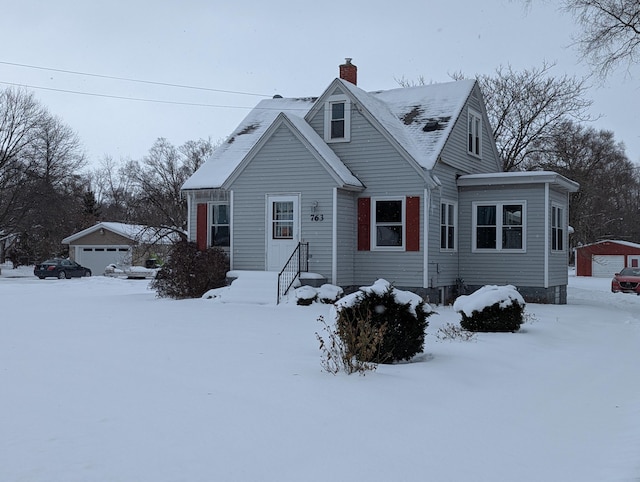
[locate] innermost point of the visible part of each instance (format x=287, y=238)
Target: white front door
x=283, y=229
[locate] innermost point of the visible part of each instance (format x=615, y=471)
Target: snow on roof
x=419, y=118
x=616, y=241
x=135, y=232
x=224, y=160
x=518, y=177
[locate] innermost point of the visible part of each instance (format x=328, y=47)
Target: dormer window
x=337, y=124
x=474, y=144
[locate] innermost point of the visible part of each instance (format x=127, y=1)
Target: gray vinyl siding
x=379, y=166
x=197, y=197
x=559, y=260
x=500, y=267
x=455, y=152
x=346, y=240
x=443, y=264
x=282, y=165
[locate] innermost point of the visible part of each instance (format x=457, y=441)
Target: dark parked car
x=60, y=268
x=626, y=281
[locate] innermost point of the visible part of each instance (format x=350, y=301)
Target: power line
x=166, y=84
x=127, y=98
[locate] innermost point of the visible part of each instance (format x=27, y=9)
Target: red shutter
x=413, y=223
x=201, y=226
x=364, y=224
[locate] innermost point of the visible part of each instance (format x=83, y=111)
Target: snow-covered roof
x=419, y=119
x=521, y=177
x=224, y=160
x=135, y=232
x=615, y=241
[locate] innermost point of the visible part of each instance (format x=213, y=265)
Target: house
x=121, y=244
x=605, y=258
x=403, y=184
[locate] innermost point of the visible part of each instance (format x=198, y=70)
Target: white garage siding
x=96, y=258
x=605, y=266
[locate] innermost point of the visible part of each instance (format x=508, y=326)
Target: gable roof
x=226, y=158
x=135, y=232
x=418, y=119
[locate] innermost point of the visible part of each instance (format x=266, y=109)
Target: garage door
x=96, y=258
x=606, y=266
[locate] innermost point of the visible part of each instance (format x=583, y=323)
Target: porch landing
x=261, y=287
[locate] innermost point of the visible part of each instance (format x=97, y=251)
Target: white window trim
x=455, y=225
x=334, y=99
x=374, y=231
x=561, y=226
x=499, y=225
x=473, y=114
x=210, y=224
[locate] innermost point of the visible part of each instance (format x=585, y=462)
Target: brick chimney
x=349, y=72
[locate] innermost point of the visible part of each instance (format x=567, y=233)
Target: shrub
x=491, y=309
x=336, y=354
x=452, y=332
x=399, y=316
x=190, y=273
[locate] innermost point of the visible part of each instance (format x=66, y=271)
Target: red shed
x=605, y=258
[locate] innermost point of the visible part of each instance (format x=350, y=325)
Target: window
x=448, y=226
x=557, y=228
x=474, y=145
x=282, y=220
x=220, y=232
x=499, y=226
x=337, y=126
x=389, y=223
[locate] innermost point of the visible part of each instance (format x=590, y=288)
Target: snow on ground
x=102, y=381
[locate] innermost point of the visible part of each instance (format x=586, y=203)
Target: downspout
x=546, y=234
x=425, y=269
x=231, y=230
x=334, y=238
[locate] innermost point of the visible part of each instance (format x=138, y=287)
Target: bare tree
x=606, y=205
x=526, y=107
x=610, y=33
x=20, y=115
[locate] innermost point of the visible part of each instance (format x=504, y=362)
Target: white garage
x=605, y=266
x=96, y=258
x=117, y=243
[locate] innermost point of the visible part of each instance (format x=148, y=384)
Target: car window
x=66, y=262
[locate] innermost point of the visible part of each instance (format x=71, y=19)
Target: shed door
x=605, y=266
x=283, y=229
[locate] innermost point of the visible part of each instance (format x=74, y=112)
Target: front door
x=283, y=229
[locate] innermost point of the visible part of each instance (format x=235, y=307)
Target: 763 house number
x=317, y=217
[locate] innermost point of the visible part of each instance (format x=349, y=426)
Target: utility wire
x=166, y=84
x=126, y=98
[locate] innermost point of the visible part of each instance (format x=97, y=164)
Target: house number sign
x=317, y=217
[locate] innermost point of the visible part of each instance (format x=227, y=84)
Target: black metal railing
x=297, y=263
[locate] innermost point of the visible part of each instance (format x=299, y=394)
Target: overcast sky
x=259, y=48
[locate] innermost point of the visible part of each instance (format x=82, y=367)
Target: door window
x=282, y=220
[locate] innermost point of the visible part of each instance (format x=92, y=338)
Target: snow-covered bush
x=190, y=273
x=327, y=293
x=491, y=309
x=305, y=295
x=393, y=320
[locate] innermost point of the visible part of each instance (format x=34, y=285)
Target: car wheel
x=87, y=273
x=41, y=277
x=62, y=275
